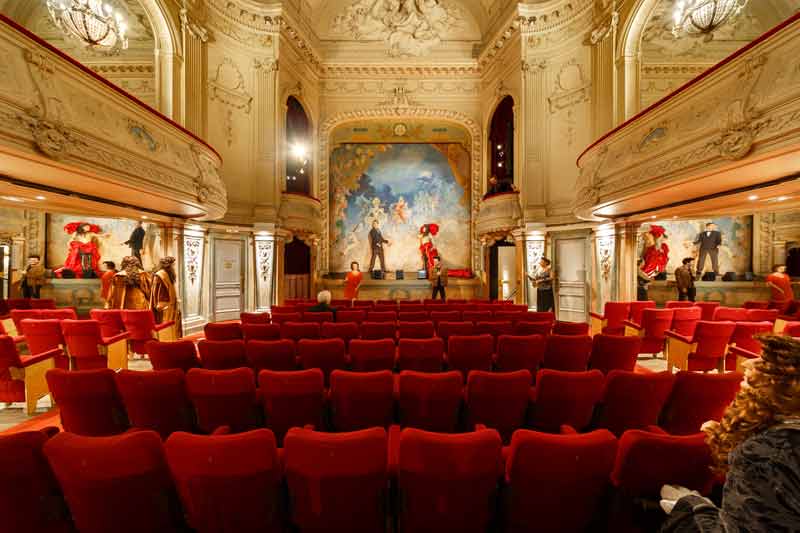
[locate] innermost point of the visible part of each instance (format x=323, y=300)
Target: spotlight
x=299, y=151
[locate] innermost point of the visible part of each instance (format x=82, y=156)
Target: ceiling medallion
x=703, y=17
x=94, y=24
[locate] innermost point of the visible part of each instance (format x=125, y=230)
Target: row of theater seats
x=7, y=304
x=304, y=303
x=364, y=481
x=390, y=315
x=101, y=402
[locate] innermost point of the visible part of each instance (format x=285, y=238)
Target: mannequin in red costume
x=84, y=250
x=656, y=251
x=426, y=247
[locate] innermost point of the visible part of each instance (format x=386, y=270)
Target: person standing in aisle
x=543, y=281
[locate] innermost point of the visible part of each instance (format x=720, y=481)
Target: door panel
x=228, y=277
x=571, y=272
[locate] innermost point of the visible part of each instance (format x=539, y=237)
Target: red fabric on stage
x=73, y=261
x=460, y=273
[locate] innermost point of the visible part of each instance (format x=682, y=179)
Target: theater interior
x=188, y=189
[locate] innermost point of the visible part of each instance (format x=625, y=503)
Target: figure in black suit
x=376, y=242
x=136, y=241
x=709, y=242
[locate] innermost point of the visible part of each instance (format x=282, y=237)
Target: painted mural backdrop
x=735, y=254
x=402, y=186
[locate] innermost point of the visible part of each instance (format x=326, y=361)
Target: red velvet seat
x=176, y=354
x=18, y=315
x=360, y=400
x=676, y=304
x=381, y=316
x=347, y=331
x=378, y=330
x=155, y=400
x=351, y=315
x=363, y=304
x=43, y=336
x=447, y=482
x=565, y=398
x=561, y=327
x=498, y=400
x=283, y=309
x=271, y=355
x=110, y=321
x=254, y=318
x=88, y=349
x=371, y=355
x=705, y=350
x=540, y=316
x=119, y=483
x=326, y=354
x=519, y=352
x=62, y=313
x=524, y=327
x=22, y=377
x=222, y=331
x=88, y=400
x=732, y=314
x=223, y=398
x=292, y=399
x=511, y=315
x=756, y=304
x=476, y=316
x=567, y=352
x=632, y=400
x=429, y=401
x=222, y=355
x=707, y=309
x=227, y=482
x=467, y=353
x=410, y=306
x=651, y=330
x=792, y=329
x=337, y=481
x=613, y=352
x=386, y=302
x=300, y=330
x=445, y=330
x=444, y=316
x=415, y=330
x=685, y=319
x=637, y=308
x=30, y=498
x=318, y=317
x=557, y=483
x=697, y=398
x=420, y=355
x=280, y=318
x=42, y=303
x=762, y=315
x=611, y=321
x=412, y=316
x=744, y=337
x=261, y=332
x=495, y=328
x=142, y=328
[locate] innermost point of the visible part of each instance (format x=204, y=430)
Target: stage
x=82, y=294
x=414, y=289
x=728, y=293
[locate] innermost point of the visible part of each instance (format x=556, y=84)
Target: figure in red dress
x=655, y=252
x=84, y=250
x=426, y=247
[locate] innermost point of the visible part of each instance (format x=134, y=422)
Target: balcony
x=733, y=128
x=65, y=130
x=498, y=215
x=301, y=215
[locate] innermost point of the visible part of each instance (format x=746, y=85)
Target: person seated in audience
x=323, y=304
x=757, y=446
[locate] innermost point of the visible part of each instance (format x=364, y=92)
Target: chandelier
x=703, y=17
x=95, y=24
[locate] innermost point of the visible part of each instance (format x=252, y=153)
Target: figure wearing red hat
x=426, y=247
x=656, y=251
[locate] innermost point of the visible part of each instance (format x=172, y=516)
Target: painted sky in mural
x=402, y=186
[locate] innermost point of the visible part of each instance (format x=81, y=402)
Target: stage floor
x=393, y=289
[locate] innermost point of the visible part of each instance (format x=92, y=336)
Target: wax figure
x=642, y=282
x=83, y=258
x=352, y=281
x=543, y=281
x=426, y=246
x=781, y=285
x=323, y=304
x=163, y=297
x=136, y=241
x=130, y=287
x=684, y=280
x=438, y=278
x=656, y=251
x=708, y=243
x=109, y=271
x=33, y=278
x=376, y=242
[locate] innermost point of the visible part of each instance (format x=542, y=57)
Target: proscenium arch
x=629, y=55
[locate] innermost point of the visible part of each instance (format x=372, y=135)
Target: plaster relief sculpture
x=409, y=27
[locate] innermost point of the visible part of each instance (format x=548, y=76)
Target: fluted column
x=194, y=279
x=279, y=283
x=603, y=39
x=194, y=108
x=605, y=241
x=265, y=117
x=533, y=131
x=535, y=239
x=627, y=256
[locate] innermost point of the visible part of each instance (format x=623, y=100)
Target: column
x=279, y=287
x=264, y=251
x=194, y=278
x=522, y=280
x=603, y=39
x=604, y=266
x=265, y=117
x=533, y=136
x=779, y=252
x=195, y=38
x=535, y=238
x=627, y=256
x=629, y=99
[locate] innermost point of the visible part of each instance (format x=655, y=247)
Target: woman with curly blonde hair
x=756, y=446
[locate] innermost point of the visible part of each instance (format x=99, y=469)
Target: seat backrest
x=351, y=315
x=494, y=327
x=756, y=304
x=412, y=316
x=63, y=313
x=636, y=309
x=292, y=399
x=765, y=315
x=567, y=352
x=254, y=318
x=118, y=483
x=676, y=304
x=326, y=354
x=632, y=400
x=744, y=333
x=430, y=401
x=381, y=316
x=614, y=352
x=615, y=313
x=337, y=481
x=540, y=316
x=139, y=323
x=415, y=330
x=261, y=332
x=178, y=354
x=9, y=356
x=88, y=401
x=447, y=481
x=565, y=398
x=282, y=309
x=222, y=355
x=222, y=331
x=110, y=321
x=378, y=330
x=732, y=314
x=18, y=303
x=317, y=316
x=42, y=335
x=446, y=329
x=476, y=316
x=512, y=315
x=557, y=482
x=81, y=337
x=498, y=400
x=223, y=398
x=360, y=400
x=227, y=482
x=445, y=316
x=420, y=355
x=656, y=321
x=470, y=352
x=364, y=304
x=696, y=398
x=561, y=327
x=524, y=327
x=685, y=319
x=708, y=309
x=42, y=303
x=155, y=400
x=300, y=330
x=712, y=338
x=280, y=318
x=520, y=352
x=369, y=355
x=18, y=315
x=346, y=331
x=271, y=355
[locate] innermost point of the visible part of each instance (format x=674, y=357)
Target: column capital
x=192, y=27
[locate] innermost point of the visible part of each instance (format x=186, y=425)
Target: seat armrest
x=631, y=324
x=655, y=429
x=105, y=341
x=39, y=357
x=50, y=431
x=164, y=325
x=598, y=316
x=566, y=429
x=677, y=336
x=741, y=352
x=222, y=430
x=480, y=427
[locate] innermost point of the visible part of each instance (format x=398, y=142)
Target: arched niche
x=501, y=143
x=299, y=165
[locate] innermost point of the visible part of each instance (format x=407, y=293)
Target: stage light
x=299, y=151
x=500, y=164
x=499, y=146
x=752, y=197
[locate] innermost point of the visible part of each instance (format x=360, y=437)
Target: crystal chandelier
x=703, y=17
x=95, y=24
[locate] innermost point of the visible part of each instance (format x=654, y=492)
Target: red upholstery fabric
x=337, y=481
x=155, y=400
x=733, y=314
x=222, y=331
x=223, y=398
x=227, y=482
x=637, y=308
x=654, y=323
x=429, y=401
x=519, y=352
x=18, y=315
x=473, y=352
x=613, y=352
x=792, y=329
x=88, y=401
x=410, y=306
x=412, y=316
x=759, y=315
x=11, y=390
x=697, y=398
x=512, y=315
x=632, y=400
x=378, y=330
x=30, y=498
x=525, y=327
x=540, y=316
x=567, y=352
x=498, y=400
x=756, y=304
x=63, y=313
x=280, y=318
x=712, y=341
x=318, y=317
x=82, y=338
x=743, y=335
x=283, y=309
x=372, y=355
x=675, y=304
x=325, y=354
x=110, y=321
x=570, y=328
x=447, y=482
x=351, y=315
x=178, y=354
x=381, y=316
x=363, y=303
x=300, y=330
x=360, y=400
x=556, y=483
x=254, y=318
x=45, y=335
x=261, y=332
x=446, y=329
x=565, y=398
x=685, y=319
x=444, y=316
x=708, y=309
x=140, y=325
x=222, y=355
x=614, y=314
x=118, y=484
x=271, y=355
x=476, y=316
x=415, y=330
x=42, y=303
x=494, y=328
x=420, y=355
x=292, y=399
x=346, y=331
